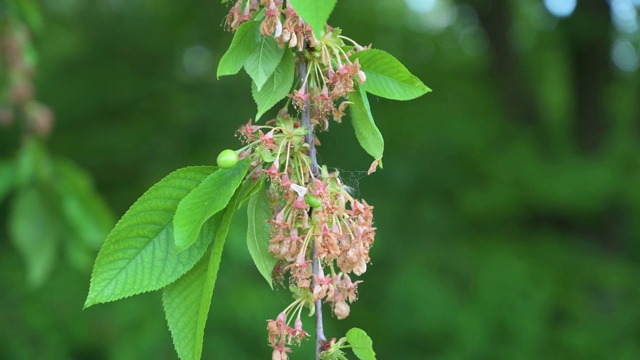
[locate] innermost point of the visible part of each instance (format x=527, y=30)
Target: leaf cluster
x=356, y=339
x=54, y=209
x=172, y=239
x=272, y=70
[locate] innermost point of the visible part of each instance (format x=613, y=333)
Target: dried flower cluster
x=16, y=50
x=330, y=74
x=313, y=216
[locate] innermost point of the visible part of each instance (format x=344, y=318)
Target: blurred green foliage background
x=507, y=211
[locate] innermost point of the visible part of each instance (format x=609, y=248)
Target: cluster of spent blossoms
x=279, y=21
x=330, y=74
x=16, y=50
x=313, y=215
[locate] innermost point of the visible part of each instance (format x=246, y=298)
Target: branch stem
x=306, y=122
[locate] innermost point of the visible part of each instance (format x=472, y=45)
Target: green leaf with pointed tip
x=245, y=41
x=205, y=201
x=266, y=155
x=34, y=228
x=276, y=88
x=314, y=12
x=259, y=234
x=387, y=77
x=187, y=301
x=186, y=305
x=259, y=16
x=8, y=177
x=86, y=212
x=367, y=132
x=262, y=63
x=361, y=344
x=248, y=189
x=139, y=254
x=33, y=163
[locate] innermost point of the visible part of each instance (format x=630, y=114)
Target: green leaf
x=314, y=12
x=248, y=189
x=186, y=305
x=33, y=163
x=7, y=178
x=31, y=55
x=187, y=301
x=361, y=344
x=245, y=41
x=258, y=16
x=266, y=155
x=259, y=234
x=35, y=231
x=31, y=12
x=205, y=201
x=84, y=209
x=367, y=132
x=334, y=354
x=139, y=254
x=387, y=77
x=262, y=63
x=276, y=88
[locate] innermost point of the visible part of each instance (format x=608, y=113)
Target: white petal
x=302, y=191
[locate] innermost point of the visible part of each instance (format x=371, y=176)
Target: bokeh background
x=507, y=212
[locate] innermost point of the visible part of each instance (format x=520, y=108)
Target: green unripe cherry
x=313, y=201
x=227, y=159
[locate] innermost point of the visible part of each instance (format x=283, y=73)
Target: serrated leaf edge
x=88, y=303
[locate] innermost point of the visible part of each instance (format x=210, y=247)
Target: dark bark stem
x=320, y=337
x=306, y=122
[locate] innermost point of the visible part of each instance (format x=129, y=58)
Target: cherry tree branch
x=306, y=122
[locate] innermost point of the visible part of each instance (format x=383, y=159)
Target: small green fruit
x=227, y=159
x=313, y=201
